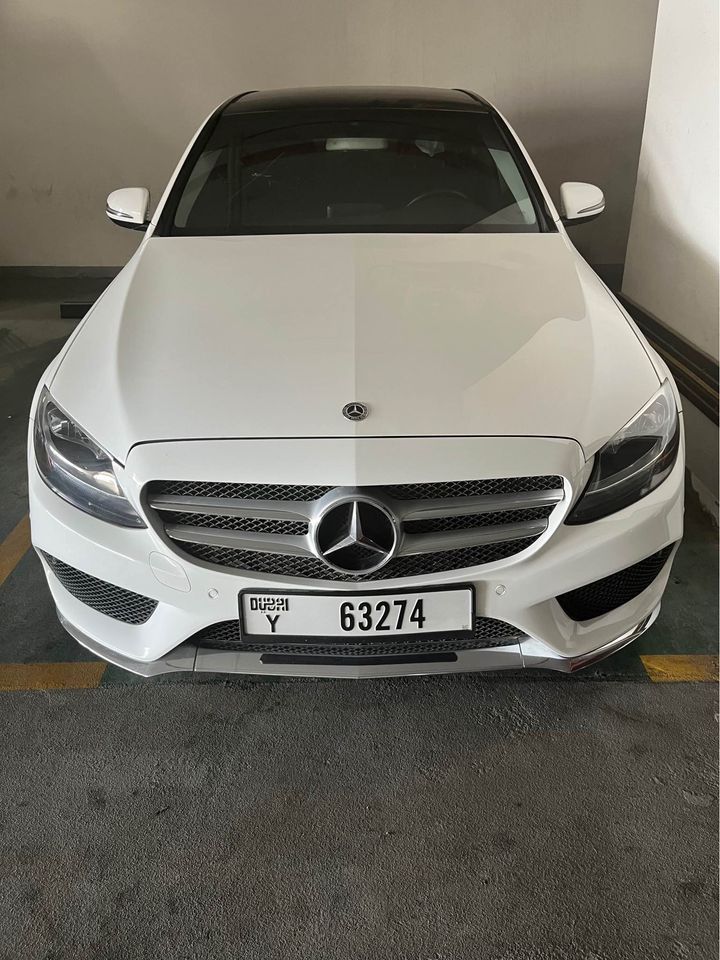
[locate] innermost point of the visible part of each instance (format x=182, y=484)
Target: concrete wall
x=672, y=258
x=96, y=94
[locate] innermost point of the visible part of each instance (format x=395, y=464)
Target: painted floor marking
x=86, y=675
x=14, y=547
x=51, y=676
x=680, y=667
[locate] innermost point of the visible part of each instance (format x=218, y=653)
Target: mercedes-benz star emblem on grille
x=355, y=410
x=356, y=536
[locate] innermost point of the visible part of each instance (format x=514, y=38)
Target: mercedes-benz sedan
x=356, y=407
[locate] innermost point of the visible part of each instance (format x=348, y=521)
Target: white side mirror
x=129, y=207
x=580, y=202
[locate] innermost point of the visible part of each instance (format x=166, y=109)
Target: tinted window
x=309, y=172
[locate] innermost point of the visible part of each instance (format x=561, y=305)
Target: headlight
x=637, y=459
x=77, y=468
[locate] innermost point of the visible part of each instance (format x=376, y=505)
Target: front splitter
x=189, y=658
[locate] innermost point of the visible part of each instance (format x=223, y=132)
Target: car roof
x=364, y=98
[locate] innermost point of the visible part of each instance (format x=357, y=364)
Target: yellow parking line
x=51, y=676
x=13, y=548
x=681, y=667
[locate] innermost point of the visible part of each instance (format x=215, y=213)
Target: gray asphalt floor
x=432, y=819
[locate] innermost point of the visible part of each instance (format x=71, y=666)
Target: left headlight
x=77, y=468
x=635, y=461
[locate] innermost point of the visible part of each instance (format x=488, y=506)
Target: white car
x=356, y=407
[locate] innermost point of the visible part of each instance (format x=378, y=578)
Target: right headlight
x=77, y=468
x=634, y=462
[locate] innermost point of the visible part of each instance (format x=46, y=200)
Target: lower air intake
x=488, y=633
x=115, y=602
x=602, y=596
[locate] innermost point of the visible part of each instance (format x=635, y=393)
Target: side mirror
x=580, y=202
x=129, y=207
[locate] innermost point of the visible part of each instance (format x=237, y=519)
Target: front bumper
x=192, y=596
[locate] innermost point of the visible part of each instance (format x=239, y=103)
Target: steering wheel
x=438, y=193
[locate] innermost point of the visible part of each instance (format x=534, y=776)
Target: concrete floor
x=439, y=818
x=447, y=818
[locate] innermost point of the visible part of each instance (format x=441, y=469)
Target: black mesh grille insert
x=602, y=596
x=488, y=633
x=239, y=491
x=471, y=488
x=311, y=568
x=115, y=602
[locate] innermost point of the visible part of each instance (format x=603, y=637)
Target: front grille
x=265, y=528
x=602, y=596
x=488, y=634
x=115, y=602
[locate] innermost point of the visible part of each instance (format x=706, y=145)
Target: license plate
x=449, y=612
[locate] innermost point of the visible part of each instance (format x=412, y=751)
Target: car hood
x=270, y=336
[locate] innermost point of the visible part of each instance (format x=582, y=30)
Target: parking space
x=463, y=816
x=682, y=644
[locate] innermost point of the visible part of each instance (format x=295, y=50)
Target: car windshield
x=373, y=171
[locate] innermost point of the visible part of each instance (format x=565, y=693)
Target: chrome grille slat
x=227, y=507
x=462, y=506
x=467, y=521
x=415, y=543
x=290, y=545
x=452, y=523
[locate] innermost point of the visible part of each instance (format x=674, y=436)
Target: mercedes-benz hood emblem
x=355, y=410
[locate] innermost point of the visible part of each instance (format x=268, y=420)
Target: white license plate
x=311, y=615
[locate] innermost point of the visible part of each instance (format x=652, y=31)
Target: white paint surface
x=440, y=334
